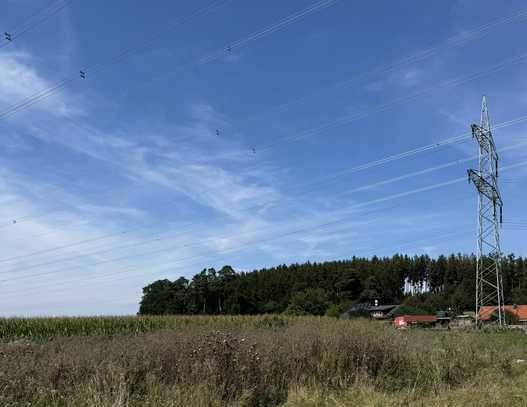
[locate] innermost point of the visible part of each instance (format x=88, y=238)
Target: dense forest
x=332, y=287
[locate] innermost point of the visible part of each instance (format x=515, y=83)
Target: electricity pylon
x=489, y=282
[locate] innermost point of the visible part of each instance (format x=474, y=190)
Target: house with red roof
x=520, y=311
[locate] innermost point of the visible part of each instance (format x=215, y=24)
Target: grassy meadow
x=254, y=361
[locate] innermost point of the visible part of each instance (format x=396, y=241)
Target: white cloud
x=411, y=77
x=19, y=80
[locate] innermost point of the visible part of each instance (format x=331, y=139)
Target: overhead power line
x=107, y=277
x=127, y=274
x=60, y=286
x=388, y=105
x=350, y=118
x=228, y=250
x=45, y=93
x=33, y=21
x=454, y=41
x=303, y=193
x=155, y=36
x=323, y=4
x=384, y=106
x=361, y=167
x=350, y=210
x=464, y=231
x=442, y=143
x=340, y=121
x=293, y=18
x=84, y=71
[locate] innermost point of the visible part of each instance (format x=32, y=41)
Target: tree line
x=331, y=287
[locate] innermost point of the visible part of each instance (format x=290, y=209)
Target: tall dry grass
x=234, y=361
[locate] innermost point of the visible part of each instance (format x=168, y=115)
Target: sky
x=244, y=133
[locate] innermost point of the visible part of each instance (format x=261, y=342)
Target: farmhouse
x=381, y=311
x=374, y=311
x=520, y=311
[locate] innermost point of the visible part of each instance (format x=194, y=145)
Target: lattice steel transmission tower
x=489, y=282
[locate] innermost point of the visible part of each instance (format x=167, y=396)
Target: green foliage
x=424, y=303
x=313, y=301
x=333, y=311
x=404, y=309
x=165, y=297
x=519, y=295
x=271, y=290
x=294, y=311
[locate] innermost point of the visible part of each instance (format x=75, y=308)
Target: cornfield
x=43, y=328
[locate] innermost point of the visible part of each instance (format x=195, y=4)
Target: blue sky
x=121, y=178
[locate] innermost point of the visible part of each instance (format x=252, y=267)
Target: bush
x=333, y=311
x=408, y=310
x=424, y=303
x=313, y=301
x=294, y=310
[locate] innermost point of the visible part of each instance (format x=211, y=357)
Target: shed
x=381, y=311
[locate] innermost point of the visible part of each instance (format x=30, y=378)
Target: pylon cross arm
x=485, y=139
x=485, y=187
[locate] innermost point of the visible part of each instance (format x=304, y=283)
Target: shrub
x=333, y=311
x=408, y=310
x=313, y=301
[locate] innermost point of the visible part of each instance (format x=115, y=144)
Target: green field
x=254, y=361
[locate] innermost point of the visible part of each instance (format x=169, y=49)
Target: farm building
x=381, y=311
x=374, y=311
x=465, y=320
x=405, y=321
x=520, y=311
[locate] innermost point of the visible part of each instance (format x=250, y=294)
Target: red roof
x=485, y=313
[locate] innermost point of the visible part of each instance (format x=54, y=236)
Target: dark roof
x=361, y=306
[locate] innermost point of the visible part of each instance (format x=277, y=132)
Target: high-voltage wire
x=384, y=160
x=228, y=250
x=303, y=193
x=28, y=25
x=60, y=286
x=269, y=30
x=336, y=221
x=45, y=93
x=454, y=41
x=125, y=274
x=363, y=167
x=388, y=105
